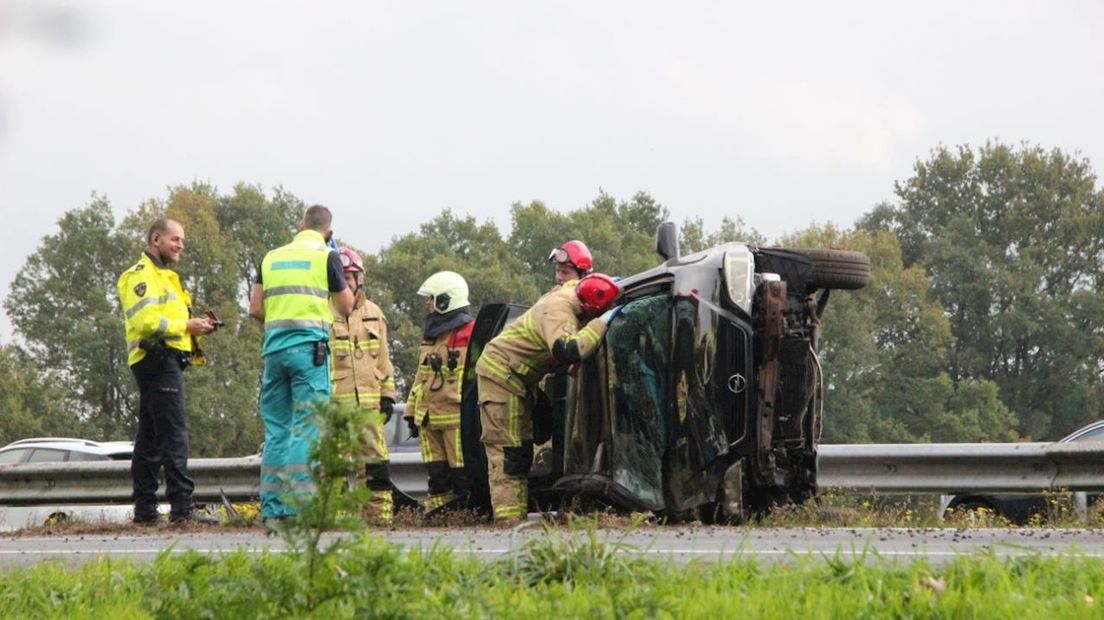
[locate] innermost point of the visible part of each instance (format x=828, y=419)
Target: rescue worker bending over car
x=545, y=337
x=362, y=376
x=433, y=407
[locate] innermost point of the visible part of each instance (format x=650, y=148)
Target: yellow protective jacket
x=434, y=400
x=360, y=361
x=520, y=356
x=156, y=308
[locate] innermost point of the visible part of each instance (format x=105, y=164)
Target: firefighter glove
x=608, y=315
x=387, y=407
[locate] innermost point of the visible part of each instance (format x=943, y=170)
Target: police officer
x=160, y=334
x=572, y=261
x=545, y=337
x=433, y=406
x=363, y=377
x=292, y=296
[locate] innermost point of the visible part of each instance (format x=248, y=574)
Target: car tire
x=837, y=269
x=972, y=511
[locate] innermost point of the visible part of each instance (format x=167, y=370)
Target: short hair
x=158, y=227
x=317, y=218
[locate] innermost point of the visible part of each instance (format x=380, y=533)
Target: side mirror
x=667, y=244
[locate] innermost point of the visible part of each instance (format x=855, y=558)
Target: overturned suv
x=705, y=398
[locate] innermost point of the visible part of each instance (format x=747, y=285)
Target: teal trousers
x=291, y=387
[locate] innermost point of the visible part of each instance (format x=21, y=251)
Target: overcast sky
x=783, y=113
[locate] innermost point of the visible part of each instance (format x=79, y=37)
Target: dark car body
x=1021, y=508
x=703, y=400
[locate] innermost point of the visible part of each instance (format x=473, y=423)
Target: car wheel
x=972, y=512
x=838, y=269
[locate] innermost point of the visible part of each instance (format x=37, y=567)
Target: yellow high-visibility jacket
x=360, y=369
x=155, y=307
x=520, y=356
x=296, y=294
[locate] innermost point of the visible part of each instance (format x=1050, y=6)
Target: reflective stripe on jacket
x=296, y=288
x=520, y=356
x=434, y=400
x=360, y=369
x=155, y=308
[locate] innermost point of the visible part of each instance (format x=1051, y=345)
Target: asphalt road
x=680, y=544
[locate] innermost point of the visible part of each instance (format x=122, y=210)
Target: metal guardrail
x=875, y=468
x=109, y=482
x=960, y=467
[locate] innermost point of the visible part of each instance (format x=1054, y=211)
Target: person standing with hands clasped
x=292, y=296
x=363, y=377
x=433, y=407
x=161, y=340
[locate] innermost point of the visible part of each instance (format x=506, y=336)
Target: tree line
x=983, y=320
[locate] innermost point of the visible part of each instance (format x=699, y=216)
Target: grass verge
x=562, y=575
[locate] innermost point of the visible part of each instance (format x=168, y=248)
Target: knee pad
x=439, y=481
x=518, y=459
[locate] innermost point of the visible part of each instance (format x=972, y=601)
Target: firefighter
x=433, y=407
x=572, y=261
x=362, y=376
x=544, y=338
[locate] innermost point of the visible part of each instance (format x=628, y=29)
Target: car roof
x=86, y=446
x=1081, y=431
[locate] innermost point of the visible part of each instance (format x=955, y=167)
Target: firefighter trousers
x=508, y=442
x=444, y=458
x=379, y=505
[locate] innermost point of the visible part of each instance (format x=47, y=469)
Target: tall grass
x=575, y=574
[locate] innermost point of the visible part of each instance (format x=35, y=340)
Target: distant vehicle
x=62, y=450
x=705, y=398
x=1021, y=507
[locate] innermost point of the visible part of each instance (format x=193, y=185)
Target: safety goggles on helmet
x=350, y=261
x=559, y=255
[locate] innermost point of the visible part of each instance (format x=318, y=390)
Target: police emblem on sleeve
x=140, y=289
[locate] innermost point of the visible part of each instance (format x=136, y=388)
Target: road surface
x=678, y=543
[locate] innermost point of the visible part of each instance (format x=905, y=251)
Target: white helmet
x=447, y=289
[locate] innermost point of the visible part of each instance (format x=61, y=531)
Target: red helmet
x=597, y=292
x=574, y=254
x=350, y=261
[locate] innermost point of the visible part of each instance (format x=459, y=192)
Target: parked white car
x=62, y=450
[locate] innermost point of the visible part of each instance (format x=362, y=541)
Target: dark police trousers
x=162, y=439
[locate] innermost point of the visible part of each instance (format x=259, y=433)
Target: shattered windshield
x=618, y=426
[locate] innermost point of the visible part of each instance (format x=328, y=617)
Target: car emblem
x=737, y=383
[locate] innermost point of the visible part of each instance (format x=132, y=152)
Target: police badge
x=140, y=289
